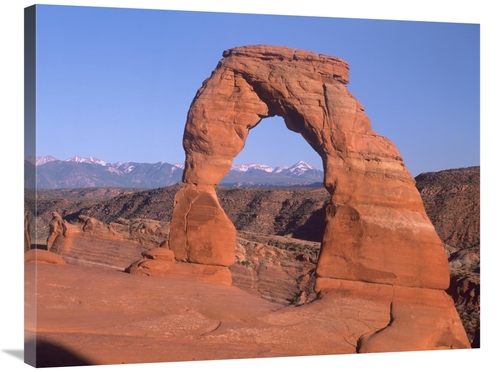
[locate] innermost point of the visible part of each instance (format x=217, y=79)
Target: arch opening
x=279, y=160
x=271, y=143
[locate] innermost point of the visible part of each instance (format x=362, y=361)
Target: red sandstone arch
x=376, y=231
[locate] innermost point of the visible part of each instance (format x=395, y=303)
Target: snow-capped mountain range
x=248, y=166
x=298, y=169
x=40, y=160
x=76, y=172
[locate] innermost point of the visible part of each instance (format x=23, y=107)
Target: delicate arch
x=376, y=227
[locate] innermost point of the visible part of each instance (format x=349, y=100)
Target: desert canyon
x=376, y=261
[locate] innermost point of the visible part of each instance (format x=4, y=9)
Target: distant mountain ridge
x=80, y=172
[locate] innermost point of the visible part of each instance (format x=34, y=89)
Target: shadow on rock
x=313, y=228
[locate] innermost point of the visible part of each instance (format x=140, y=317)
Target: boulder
x=43, y=256
x=181, y=270
x=200, y=231
x=162, y=254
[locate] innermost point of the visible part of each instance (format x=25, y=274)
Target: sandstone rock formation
x=210, y=232
x=377, y=230
x=91, y=242
x=376, y=226
x=277, y=268
x=42, y=256
x=57, y=228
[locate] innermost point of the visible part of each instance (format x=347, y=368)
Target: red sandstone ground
x=96, y=315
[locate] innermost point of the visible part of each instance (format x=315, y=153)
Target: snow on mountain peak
x=247, y=166
x=90, y=160
x=298, y=168
x=301, y=165
x=44, y=159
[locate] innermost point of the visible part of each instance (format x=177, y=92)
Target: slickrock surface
x=97, y=315
x=376, y=227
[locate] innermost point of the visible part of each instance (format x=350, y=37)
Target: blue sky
x=116, y=84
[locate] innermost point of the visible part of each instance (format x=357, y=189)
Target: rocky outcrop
x=91, y=242
x=136, y=246
x=349, y=317
x=57, y=234
x=421, y=319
